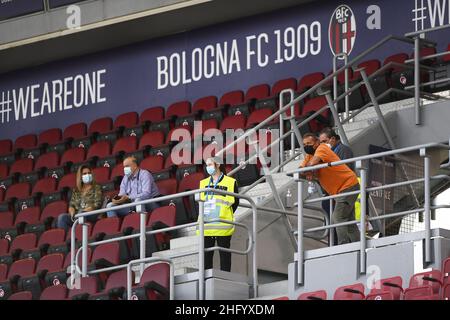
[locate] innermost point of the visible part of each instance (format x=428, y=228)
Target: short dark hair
x=329, y=132
x=309, y=134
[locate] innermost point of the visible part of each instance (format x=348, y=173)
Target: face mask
x=211, y=170
x=87, y=178
x=309, y=150
x=127, y=171
x=329, y=145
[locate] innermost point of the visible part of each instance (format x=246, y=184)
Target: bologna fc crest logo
x=342, y=31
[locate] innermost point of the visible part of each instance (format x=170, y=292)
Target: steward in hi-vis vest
x=217, y=206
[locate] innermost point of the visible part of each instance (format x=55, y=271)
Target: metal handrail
x=419, y=32
x=311, y=90
x=370, y=156
x=149, y=260
x=363, y=191
x=79, y=219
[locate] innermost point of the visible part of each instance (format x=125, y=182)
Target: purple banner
x=15, y=8
x=59, y=3
x=209, y=61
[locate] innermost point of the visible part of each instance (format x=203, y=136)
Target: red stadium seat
x=23, y=295
x=313, y=105
x=310, y=80
x=6, y=222
x=187, y=209
x=101, y=149
x=75, y=131
x=28, y=141
x=4, y=170
x=152, y=163
x=68, y=181
x=431, y=279
x=104, y=227
x=106, y=255
x=258, y=116
x=179, y=134
x=162, y=217
x=125, y=145
x=131, y=222
x=154, y=114
x=74, y=155
x=22, y=166
x=101, y=175
x=114, y=288
x=168, y=186
x=396, y=58
x=281, y=85
x=46, y=264
x=117, y=171
x=3, y=271
x=446, y=292
x=6, y=146
x=178, y=109
x=283, y=298
x=51, y=136
x=47, y=160
x=351, y=292
x=393, y=285
x=446, y=271
x=205, y=126
x=152, y=139
x=53, y=210
x=102, y=125
x=233, y=122
x=154, y=283
x=382, y=295
x=205, y=104
x=88, y=286
x=28, y=216
x=19, y=269
x=232, y=98
x=191, y=182
x=419, y=293
x=58, y=292
x=258, y=92
x=4, y=247
x=126, y=120
x=316, y=295
x=18, y=190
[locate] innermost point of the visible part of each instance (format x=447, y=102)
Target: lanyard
x=129, y=187
x=215, y=186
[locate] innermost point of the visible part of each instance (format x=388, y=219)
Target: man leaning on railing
x=334, y=180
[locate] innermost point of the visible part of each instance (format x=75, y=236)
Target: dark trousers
x=65, y=221
x=225, y=257
x=326, y=208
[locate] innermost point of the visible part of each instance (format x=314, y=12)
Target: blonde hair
x=79, y=180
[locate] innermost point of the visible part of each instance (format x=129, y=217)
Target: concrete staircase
x=263, y=195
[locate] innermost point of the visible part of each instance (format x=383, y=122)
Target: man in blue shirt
x=137, y=185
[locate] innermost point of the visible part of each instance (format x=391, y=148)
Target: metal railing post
x=142, y=238
x=337, y=121
x=417, y=79
x=73, y=249
x=427, y=203
x=84, y=245
x=201, y=251
x=331, y=235
x=347, y=101
x=363, y=198
x=300, y=254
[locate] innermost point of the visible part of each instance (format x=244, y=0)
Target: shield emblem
x=342, y=31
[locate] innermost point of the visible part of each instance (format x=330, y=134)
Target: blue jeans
x=123, y=212
x=65, y=221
